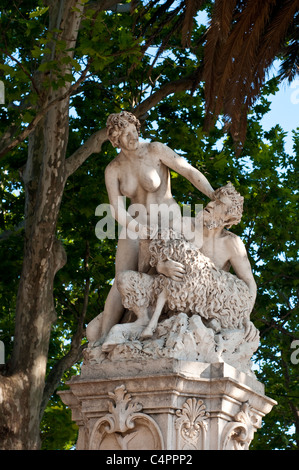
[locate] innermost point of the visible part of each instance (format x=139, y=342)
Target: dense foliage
x=118, y=70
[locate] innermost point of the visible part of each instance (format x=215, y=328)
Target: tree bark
x=22, y=382
x=22, y=387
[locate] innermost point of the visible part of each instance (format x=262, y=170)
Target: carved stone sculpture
x=140, y=172
x=189, y=278
x=238, y=434
x=205, y=309
x=176, y=329
x=206, y=290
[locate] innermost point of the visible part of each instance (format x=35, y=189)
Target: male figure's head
x=225, y=210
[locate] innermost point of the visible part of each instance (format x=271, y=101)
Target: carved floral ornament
x=124, y=427
x=191, y=424
x=122, y=413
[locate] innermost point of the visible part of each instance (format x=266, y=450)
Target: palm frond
x=241, y=46
x=274, y=41
x=290, y=52
x=243, y=39
x=242, y=86
x=217, y=34
x=190, y=10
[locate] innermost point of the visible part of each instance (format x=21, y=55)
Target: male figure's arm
x=241, y=265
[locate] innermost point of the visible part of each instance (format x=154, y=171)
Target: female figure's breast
x=136, y=183
x=149, y=179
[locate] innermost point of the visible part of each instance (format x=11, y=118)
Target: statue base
x=165, y=404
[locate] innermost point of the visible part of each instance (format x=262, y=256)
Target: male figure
x=224, y=248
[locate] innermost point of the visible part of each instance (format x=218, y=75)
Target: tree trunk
x=22, y=381
x=22, y=386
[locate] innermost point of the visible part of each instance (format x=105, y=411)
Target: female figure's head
x=116, y=124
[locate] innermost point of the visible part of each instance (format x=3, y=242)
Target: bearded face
x=225, y=210
x=217, y=213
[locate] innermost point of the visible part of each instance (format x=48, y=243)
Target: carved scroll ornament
x=238, y=434
x=124, y=427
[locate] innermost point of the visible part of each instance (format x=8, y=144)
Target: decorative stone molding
x=124, y=427
x=171, y=404
x=238, y=434
x=191, y=425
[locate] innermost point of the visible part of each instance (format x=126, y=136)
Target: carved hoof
x=147, y=333
x=107, y=347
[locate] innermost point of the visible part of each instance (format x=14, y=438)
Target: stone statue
x=140, y=172
x=168, y=364
x=203, y=286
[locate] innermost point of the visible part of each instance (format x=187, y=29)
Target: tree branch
x=273, y=324
x=59, y=368
x=95, y=142
x=7, y=146
x=92, y=145
x=183, y=84
x=23, y=69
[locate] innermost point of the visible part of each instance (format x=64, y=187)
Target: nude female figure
x=141, y=173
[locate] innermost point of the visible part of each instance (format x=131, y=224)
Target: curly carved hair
x=234, y=213
x=205, y=289
x=116, y=123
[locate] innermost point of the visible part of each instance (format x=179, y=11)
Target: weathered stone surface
x=175, y=371
x=165, y=404
x=179, y=337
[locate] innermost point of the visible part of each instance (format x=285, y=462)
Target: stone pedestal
x=165, y=404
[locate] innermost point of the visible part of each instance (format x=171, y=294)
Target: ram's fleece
x=205, y=290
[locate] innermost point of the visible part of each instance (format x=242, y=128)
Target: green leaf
x=38, y=12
